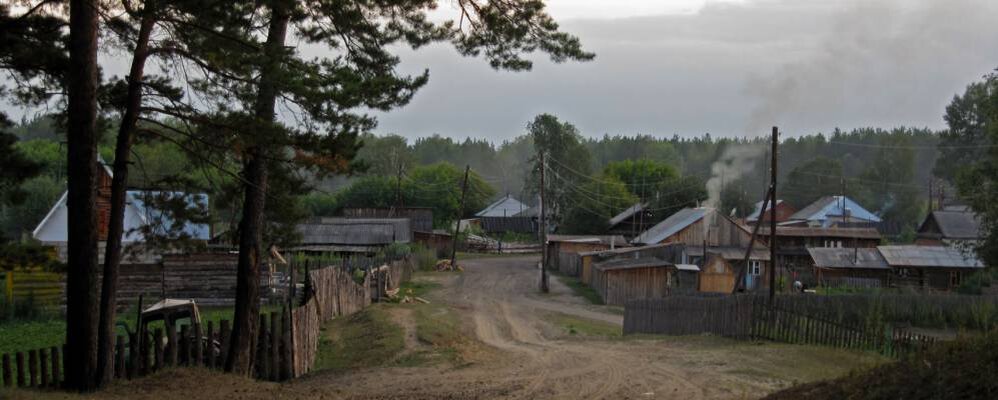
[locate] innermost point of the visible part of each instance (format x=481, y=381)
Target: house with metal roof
x=506, y=206
x=930, y=267
x=850, y=267
x=619, y=280
x=949, y=227
x=144, y=215
x=706, y=233
x=352, y=235
x=563, y=250
x=632, y=221
x=832, y=210
x=794, y=242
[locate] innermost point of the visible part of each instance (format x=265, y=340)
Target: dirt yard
x=524, y=345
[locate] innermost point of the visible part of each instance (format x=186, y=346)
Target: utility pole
x=460, y=213
x=772, y=221
x=544, y=233
x=398, y=187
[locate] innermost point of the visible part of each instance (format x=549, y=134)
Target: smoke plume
x=735, y=162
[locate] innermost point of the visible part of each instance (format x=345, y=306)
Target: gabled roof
x=670, y=226
x=506, y=206
x=356, y=231
x=758, y=209
x=631, y=263
x=817, y=231
x=628, y=213
x=862, y=258
x=616, y=240
x=962, y=225
x=830, y=207
x=928, y=257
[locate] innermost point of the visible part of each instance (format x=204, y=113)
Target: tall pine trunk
x=244, y=330
x=81, y=200
x=115, y=229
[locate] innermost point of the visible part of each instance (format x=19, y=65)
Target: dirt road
x=525, y=356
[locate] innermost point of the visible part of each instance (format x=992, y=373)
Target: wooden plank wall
x=751, y=317
x=619, y=286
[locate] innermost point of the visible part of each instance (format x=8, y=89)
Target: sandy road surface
x=523, y=359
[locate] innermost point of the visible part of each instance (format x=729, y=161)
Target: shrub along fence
x=751, y=317
x=286, y=346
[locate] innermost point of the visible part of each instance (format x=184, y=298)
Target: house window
x=954, y=279
x=833, y=243
x=755, y=268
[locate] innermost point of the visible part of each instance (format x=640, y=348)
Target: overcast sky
x=732, y=68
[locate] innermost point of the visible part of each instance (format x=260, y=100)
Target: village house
x=507, y=215
x=930, y=267
x=619, y=280
x=706, y=233
x=794, y=243
x=421, y=221
x=850, y=267
x=672, y=252
x=783, y=212
x=348, y=236
x=143, y=216
x=831, y=211
x=563, y=250
x=632, y=221
x=954, y=226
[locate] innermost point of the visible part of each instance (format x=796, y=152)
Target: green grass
x=580, y=289
x=366, y=339
x=18, y=335
x=417, y=288
x=440, y=328
x=573, y=325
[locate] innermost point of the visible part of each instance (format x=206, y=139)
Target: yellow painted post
x=10, y=287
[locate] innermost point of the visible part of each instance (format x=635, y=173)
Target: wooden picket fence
x=752, y=317
x=286, y=346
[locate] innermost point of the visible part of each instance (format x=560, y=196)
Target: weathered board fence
x=335, y=293
x=287, y=344
x=138, y=355
x=751, y=317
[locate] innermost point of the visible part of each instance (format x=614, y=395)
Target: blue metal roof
x=826, y=209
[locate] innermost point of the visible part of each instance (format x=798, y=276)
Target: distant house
x=851, y=267
x=794, y=243
x=949, y=227
x=507, y=206
x=632, y=221
x=352, y=235
x=833, y=210
x=930, y=267
x=563, y=249
x=696, y=228
x=422, y=217
x=141, y=215
x=672, y=252
x=783, y=212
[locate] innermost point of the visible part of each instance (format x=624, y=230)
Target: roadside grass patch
x=585, y=327
x=365, y=339
x=417, y=288
x=580, y=289
x=440, y=328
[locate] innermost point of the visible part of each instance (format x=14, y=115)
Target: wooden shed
x=563, y=250
x=617, y=281
x=930, y=267
x=671, y=252
x=717, y=275
x=856, y=267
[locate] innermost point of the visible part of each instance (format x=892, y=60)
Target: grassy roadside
x=579, y=288
x=376, y=337
x=584, y=327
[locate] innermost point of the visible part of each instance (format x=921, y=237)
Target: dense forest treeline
x=887, y=170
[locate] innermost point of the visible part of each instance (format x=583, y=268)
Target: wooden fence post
x=33, y=367
x=43, y=360
x=7, y=376
x=261, y=350
x=171, y=346
x=286, y=345
x=223, y=333
x=198, y=346
x=275, y=356
x=185, y=345
x=119, y=357
x=210, y=359
x=56, y=370
x=19, y=356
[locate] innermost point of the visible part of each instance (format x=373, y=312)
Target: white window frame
x=755, y=267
